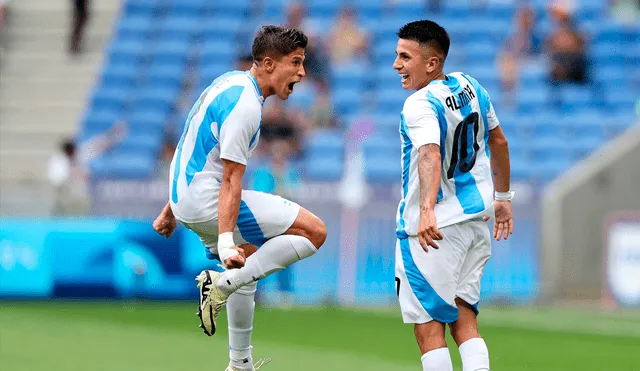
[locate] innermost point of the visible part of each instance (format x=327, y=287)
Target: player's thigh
x=466, y=327
x=263, y=216
x=473, y=267
x=427, y=281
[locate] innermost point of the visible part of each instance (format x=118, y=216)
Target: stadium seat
x=118, y=75
x=123, y=166
x=133, y=28
x=126, y=52
x=144, y=119
x=141, y=8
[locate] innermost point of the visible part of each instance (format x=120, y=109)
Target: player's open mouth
x=404, y=77
x=291, y=87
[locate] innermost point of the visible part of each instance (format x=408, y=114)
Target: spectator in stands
x=626, y=11
x=280, y=123
x=322, y=115
x=315, y=61
x=244, y=62
x=80, y=18
x=3, y=17
x=277, y=176
x=566, y=50
x=521, y=45
x=347, y=41
x=68, y=170
x=163, y=166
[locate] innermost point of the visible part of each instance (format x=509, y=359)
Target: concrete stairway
x=43, y=90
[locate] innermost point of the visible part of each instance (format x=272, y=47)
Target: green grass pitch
x=161, y=336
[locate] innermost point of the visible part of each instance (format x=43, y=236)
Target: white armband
x=504, y=196
x=225, y=244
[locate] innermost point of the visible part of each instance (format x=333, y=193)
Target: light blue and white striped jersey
x=223, y=124
x=456, y=114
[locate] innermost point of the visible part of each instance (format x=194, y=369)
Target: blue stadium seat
x=575, y=97
x=133, y=28
x=328, y=168
x=383, y=169
x=98, y=120
x=145, y=8
x=347, y=101
x=531, y=101
x=222, y=29
x=178, y=28
x=481, y=51
x=123, y=166
x=322, y=8
x=220, y=50
x=391, y=100
x=144, y=119
x=381, y=146
x=110, y=99
x=153, y=98
x=188, y=8
x=118, y=75
x=142, y=143
x=165, y=76
x=170, y=52
x=209, y=71
x=231, y=9
x=349, y=75
x=126, y=52
x=324, y=155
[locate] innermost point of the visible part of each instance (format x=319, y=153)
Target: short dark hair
x=276, y=42
x=68, y=146
x=426, y=32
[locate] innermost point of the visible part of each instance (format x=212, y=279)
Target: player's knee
x=430, y=336
x=318, y=233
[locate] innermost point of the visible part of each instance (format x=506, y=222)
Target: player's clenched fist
x=165, y=223
x=428, y=231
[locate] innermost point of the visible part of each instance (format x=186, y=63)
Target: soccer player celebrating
x=448, y=129
x=254, y=234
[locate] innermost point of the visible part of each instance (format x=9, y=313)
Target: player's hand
x=428, y=231
x=236, y=261
x=165, y=224
x=503, y=224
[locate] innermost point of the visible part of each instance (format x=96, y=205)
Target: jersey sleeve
x=485, y=103
x=420, y=122
x=238, y=130
x=491, y=113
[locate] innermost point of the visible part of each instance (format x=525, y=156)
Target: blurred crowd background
x=95, y=96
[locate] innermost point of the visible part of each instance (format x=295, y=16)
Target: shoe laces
x=261, y=362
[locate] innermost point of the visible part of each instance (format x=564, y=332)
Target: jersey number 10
x=461, y=146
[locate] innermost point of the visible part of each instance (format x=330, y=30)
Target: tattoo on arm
x=429, y=169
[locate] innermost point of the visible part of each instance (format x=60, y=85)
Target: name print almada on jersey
x=464, y=97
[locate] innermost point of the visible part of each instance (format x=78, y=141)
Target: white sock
x=275, y=255
x=240, y=309
x=437, y=360
x=475, y=355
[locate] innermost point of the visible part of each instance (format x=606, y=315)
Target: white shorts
x=428, y=283
x=261, y=217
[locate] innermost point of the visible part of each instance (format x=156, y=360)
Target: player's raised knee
x=319, y=234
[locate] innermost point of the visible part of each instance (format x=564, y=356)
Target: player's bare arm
x=228, y=209
x=429, y=169
x=165, y=223
x=501, y=169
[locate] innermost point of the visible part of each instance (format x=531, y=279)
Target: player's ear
x=433, y=63
x=269, y=64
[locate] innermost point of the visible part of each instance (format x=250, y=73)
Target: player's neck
x=262, y=80
x=437, y=75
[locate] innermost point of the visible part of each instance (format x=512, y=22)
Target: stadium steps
x=44, y=90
